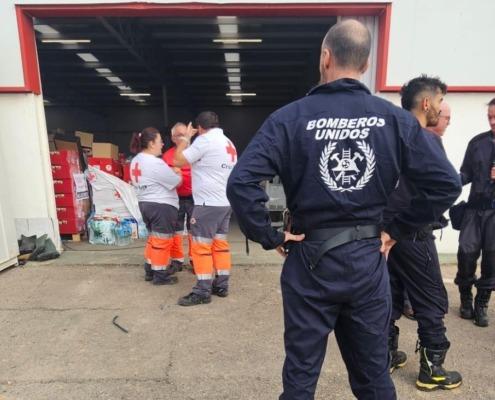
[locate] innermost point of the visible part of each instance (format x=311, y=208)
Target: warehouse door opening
x=107, y=74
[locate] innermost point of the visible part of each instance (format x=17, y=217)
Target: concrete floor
x=57, y=340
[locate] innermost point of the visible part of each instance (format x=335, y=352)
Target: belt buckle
x=357, y=233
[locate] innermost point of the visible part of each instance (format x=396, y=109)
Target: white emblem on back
x=344, y=167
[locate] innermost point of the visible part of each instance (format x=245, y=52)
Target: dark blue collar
x=340, y=85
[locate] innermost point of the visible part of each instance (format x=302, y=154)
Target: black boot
x=432, y=375
x=397, y=358
x=466, y=310
x=148, y=272
x=481, y=307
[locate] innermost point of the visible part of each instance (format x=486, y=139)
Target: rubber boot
x=432, y=375
x=148, y=272
x=397, y=358
x=481, y=307
x=466, y=310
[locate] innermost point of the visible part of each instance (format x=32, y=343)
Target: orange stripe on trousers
x=202, y=258
x=221, y=254
x=177, y=252
x=160, y=251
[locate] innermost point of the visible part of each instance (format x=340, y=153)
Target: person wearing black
x=339, y=152
x=477, y=234
x=413, y=262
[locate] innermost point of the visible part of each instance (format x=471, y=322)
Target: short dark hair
x=491, y=102
x=207, y=120
x=350, y=44
x=423, y=83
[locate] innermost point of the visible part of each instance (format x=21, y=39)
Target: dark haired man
x=212, y=157
x=478, y=225
x=338, y=152
x=413, y=261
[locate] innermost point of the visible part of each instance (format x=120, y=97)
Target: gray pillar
x=165, y=106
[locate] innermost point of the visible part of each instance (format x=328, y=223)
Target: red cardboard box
x=66, y=213
x=107, y=165
x=126, y=172
x=62, y=171
x=63, y=185
x=64, y=158
x=64, y=199
x=71, y=225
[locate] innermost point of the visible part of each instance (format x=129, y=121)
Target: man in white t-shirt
x=212, y=157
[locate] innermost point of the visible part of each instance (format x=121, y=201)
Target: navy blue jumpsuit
x=414, y=266
x=477, y=234
x=339, y=152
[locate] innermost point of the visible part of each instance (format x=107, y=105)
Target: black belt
x=334, y=237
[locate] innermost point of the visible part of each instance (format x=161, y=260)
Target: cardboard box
x=86, y=138
x=66, y=145
x=64, y=185
x=64, y=199
x=105, y=150
x=66, y=213
x=106, y=165
x=71, y=225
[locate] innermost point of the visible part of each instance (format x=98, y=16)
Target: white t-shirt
x=212, y=157
x=154, y=180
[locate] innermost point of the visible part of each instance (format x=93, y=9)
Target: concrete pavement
x=57, y=340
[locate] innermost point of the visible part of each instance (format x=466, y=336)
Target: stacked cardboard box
x=106, y=158
x=71, y=191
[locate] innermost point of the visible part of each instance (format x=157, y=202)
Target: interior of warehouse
x=105, y=78
x=115, y=76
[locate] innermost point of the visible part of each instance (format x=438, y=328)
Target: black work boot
x=432, y=375
x=397, y=358
x=193, y=299
x=466, y=310
x=481, y=307
x=164, y=278
x=148, y=272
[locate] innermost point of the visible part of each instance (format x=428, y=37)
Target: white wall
x=26, y=165
x=469, y=117
x=449, y=38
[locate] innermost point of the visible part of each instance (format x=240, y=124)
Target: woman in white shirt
x=155, y=184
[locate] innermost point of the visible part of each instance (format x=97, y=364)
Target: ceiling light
x=103, y=70
x=227, y=29
x=46, y=30
x=88, y=57
x=124, y=87
x=234, y=41
x=234, y=79
x=66, y=41
x=232, y=57
x=233, y=70
x=236, y=100
x=240, y=94
x=234, y=87
x=135, y=94
x=114, y=79
x=140, y=100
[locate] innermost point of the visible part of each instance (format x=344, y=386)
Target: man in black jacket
x=478, y=225
x=339, y=152
x=413, y=262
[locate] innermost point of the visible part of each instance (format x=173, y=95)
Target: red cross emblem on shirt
x=232, y=151
x=136, y=173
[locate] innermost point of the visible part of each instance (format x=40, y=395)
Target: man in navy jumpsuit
x=413, y=261
x=339, y=152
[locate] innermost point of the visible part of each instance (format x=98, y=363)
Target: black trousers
x=477, y=237
x=348, y=293
x=414, y=266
